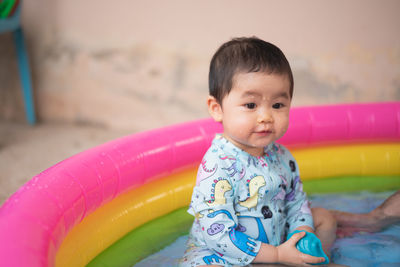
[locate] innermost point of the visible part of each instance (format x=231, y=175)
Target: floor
x=27, y=150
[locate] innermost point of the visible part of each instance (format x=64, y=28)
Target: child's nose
x=265, y=117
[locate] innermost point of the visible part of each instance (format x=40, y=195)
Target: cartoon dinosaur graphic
x=213, y=259
x=239, y=239
x=220, y=187
x=205, y=172
x=235, y=167
x=278, y=149
x=272, y=155
x=262, y=235
x=197, y=215
x=305, y=208
x=282, y=190
x=291, y=195
x=255, y=184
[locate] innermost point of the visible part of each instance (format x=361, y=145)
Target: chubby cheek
x=238, y=128
x=283, y=125
x=238, y=121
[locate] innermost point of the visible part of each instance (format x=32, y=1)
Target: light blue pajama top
x=241, y=200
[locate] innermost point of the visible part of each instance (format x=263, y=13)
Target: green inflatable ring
x=161, y=232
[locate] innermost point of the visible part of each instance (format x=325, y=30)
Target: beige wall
x=144, y=64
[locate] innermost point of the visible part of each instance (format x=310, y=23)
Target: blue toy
x=311, y=245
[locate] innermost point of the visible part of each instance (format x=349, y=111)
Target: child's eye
x=250, y=105
x=277, y=105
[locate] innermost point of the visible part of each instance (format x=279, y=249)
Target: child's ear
x=214, y=108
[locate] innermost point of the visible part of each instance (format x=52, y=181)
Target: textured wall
x=144, y=64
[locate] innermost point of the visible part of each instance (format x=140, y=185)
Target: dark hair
x=245, y=55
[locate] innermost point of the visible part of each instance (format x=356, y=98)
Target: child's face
x=256, y=111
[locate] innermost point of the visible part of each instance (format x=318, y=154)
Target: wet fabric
x=363, y=249
x=241, y=200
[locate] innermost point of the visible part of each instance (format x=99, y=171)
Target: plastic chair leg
x=25, y=75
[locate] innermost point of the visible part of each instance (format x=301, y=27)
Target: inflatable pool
x=360, y=250
x=117, y=203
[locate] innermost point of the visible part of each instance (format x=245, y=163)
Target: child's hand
x=290, y=255
x=310, y=244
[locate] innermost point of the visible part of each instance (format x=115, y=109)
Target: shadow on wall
x=91, y=73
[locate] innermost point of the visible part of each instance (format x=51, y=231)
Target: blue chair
x=13, y=24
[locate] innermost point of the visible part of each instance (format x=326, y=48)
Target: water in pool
x=364, y=249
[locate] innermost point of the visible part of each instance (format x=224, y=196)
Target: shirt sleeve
x=213, y=207
x=297, y=205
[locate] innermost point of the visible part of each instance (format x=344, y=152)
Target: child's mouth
x=264, y=133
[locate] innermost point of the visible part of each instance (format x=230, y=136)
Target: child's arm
x=286, y=253
x=305, y=228
x=218, y=227
x=299, y=216
x=298, y=211
x=216, y=220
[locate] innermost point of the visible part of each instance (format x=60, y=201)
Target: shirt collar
x=221, y=142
